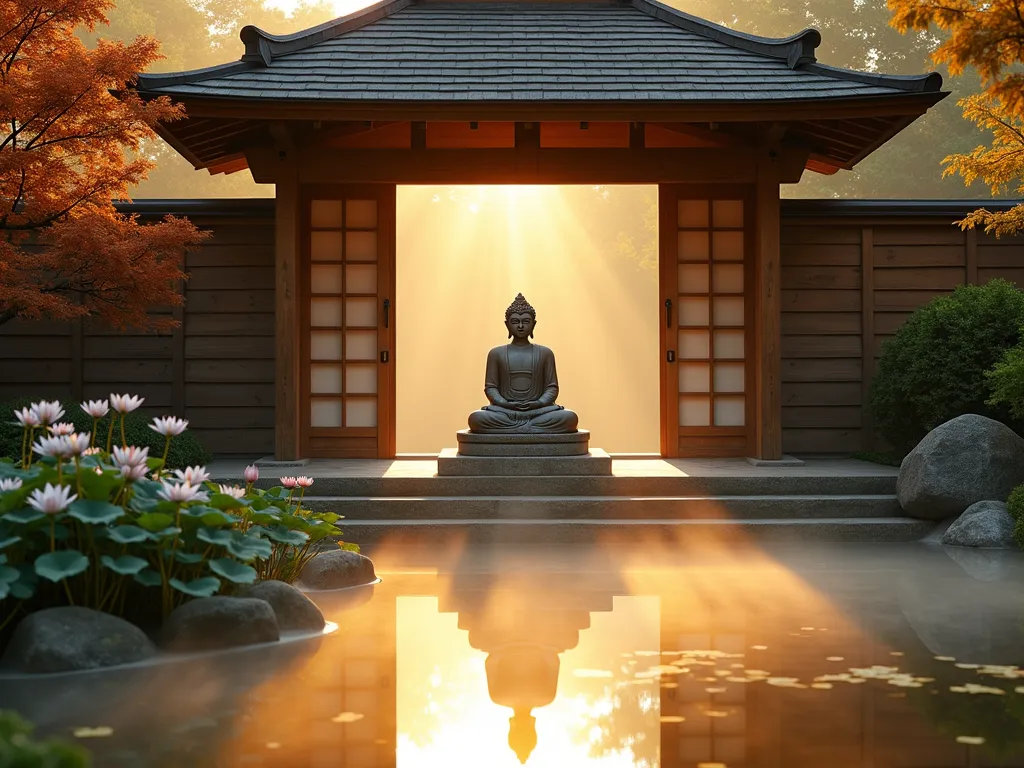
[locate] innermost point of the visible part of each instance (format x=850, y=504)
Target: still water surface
x=603, y=656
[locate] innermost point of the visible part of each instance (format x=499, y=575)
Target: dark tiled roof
x=626, y=51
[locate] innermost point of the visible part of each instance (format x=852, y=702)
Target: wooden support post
x=77, y=362
x=287, y=253
x=637, y=135
x=867, y=334
x=418, y=134
x=971, y=256
x=768, y=301
x=178, y=354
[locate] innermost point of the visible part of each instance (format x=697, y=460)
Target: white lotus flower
x=181, y=492
x=96, y=408
x=52, y=446
x=63, y=429
x=231, y=490
x=48, y=412
x=51, y=500
x=130, y=456
x=10, y=484
x=78, y=443
x=125, y=403
x=27, y=417
x=192, y=475
x=131, y=472
x=169, y=426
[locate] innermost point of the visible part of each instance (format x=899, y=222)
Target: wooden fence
x=852, y=271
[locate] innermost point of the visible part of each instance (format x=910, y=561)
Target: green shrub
x=186, y=450
x=934, y=368
x=19, y=750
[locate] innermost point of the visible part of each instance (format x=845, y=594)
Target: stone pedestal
x=526, y=455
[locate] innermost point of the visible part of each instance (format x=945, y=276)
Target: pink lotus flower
x=193, y=475
x=78, y=443
x=181, y=492
x=131, y=456
x=91, y=451
x=252, y=473
x=125, y=403
x=132, y=473
x=289, y=482
x=303, y=481
x=231, y=490
x=96, y=408
x=52, y=446
x=48, y=412
x=10, y=484
x=63, y=429
x=169, y=426
x=27, y=417
x=51, y=500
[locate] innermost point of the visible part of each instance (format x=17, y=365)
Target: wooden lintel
x=716, y=137
x=910, y=104
x=526, y=166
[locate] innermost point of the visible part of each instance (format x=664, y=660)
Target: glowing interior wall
x=585, y=258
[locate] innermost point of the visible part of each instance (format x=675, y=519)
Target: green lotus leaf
x=63, y=564
x=154, y=521
x=214, y=536
x=9, y=470
x=247, y=548
x=61, y=532
x=215, y=517
x=148, y=578
x=99, y=486
x=204, y=587
x=7, y=541
x=233, y=571
x=154, y=463
x=284, y=536
x=9, y=575
x=188, y=558
x=21, y=590
x=348, y=546
x=170, y=530
x=147, y=489
x=224, y=501
x=94, y=511
x=126, y=565
x=259, y=504
x=327, y=517
x=25, y=515
x=127, y=534
x=264, y=518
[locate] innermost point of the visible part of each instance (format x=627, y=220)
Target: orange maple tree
x=68, y=149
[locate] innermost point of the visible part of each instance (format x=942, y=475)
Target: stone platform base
x=567, y=444
x=452, y=463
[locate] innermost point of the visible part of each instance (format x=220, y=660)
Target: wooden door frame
x=385, y=195
x=668, y=261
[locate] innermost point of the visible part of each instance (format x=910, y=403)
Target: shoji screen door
x=347, y=303
x=707, y=315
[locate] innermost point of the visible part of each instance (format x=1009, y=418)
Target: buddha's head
x=520, y=318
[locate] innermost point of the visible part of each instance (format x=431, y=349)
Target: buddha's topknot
x=519, y=306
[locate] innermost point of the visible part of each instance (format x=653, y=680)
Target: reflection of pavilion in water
x=523, y=625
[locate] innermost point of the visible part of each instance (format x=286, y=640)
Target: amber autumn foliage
x=989, y=36
x=68, y=149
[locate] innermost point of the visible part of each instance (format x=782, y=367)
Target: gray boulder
x=983, y=524
x=336, y=569
x=968, y=459
x=292, y=608
x=207, y=623
x=72, y=638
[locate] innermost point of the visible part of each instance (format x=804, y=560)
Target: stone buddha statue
x=521, y=384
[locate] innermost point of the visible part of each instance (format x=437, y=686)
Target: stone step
x=368, y=533
x=606, y=507
x=677, y=485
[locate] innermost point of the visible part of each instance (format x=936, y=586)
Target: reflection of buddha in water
x=522, y=677
x=521, y=384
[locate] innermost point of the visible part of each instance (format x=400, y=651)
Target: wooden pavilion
x=533, y=92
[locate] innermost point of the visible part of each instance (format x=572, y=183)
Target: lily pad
x=233, y=571
x=95, y=511
x=284, y=536
x=154, y=521
x=25, y=515
x=126, y=565
x=217, y=517
x=56, y=566
x=188, y=558
x=224, y=501
x=128, y=534
x=7, y=541
x=148, y=578
x=204, y=587
x=214, y=536
x=249, y=547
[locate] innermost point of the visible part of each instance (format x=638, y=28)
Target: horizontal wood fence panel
x=930, y=278
x=1014, y=275
x=904, y=300
x=820, y=346
x=821, y=370
x=241, y=256
x=821, y=441
x=230, y=301
x=920, y=256
x=127, y=371
x=241, y=324
x=237, y=442
x=822, y=417
x=820, y=301
x=231, y=279
x=158, y=396
x=230, y=347
x=820, y=277
x=818, y=235
x=826, y=393
x=229, y=395
x=230, y=418
x=820, y=255
x=820, y=323
x=903, y=235
x=232, y=371
x=34, y=347
x=127, y=347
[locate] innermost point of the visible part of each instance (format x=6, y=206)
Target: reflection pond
x=819, y=655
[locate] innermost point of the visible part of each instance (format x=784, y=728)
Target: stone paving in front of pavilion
x=644, y=499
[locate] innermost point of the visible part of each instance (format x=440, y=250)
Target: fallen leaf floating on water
x=822, y=686
x=347, y=717
x=715, y=690
x=711, y=765
x=835, y=658
x=759, y=647
x=997, y=670
x=975, y=688
x=715, y=713
x=970, y=739
x=93, y=733
x=969, y=666
x=670, y=685
x=273, y=745
x=740, y=679
x=785, y=682
x=673, y=719
x=806, y=629
x=944, y=658
x=895, y=653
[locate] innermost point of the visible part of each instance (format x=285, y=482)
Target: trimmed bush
x=186, y=450
x=934, y=369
